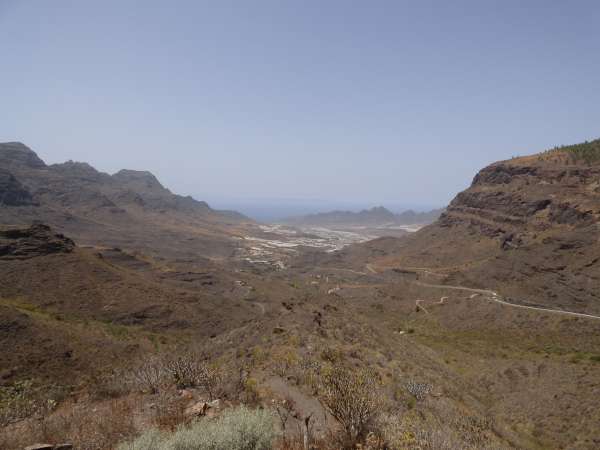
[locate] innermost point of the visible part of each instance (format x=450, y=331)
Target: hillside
x=97, y=331
x=130, y=208
x=526, y=227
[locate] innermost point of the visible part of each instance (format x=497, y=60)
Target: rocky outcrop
x=37, y=240
x=528, y=227
x=527, y=196
x=12, y=192
x=129, y=208
x=16, y=154
x=139, y=181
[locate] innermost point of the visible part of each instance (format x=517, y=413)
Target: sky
x=292, y=102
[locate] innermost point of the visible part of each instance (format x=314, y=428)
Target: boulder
x=40, y=447
x=197, y=409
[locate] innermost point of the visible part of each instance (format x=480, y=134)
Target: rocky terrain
x=527, y=227
x=469, y=326
x=38, y=240
x=130, y=207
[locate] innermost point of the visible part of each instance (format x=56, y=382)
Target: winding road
x=488, y=295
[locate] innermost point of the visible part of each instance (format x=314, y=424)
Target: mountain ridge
x=97, y=208
x=375, y=216
x=527, y=227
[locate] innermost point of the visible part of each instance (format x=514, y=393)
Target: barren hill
x=130, y=208
x=452, y=358
x=527, y=227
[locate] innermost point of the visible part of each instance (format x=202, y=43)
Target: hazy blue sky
x=363, y=102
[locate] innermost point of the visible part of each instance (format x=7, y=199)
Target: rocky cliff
x=130, y=208
x=528, y=197
x=528, y=227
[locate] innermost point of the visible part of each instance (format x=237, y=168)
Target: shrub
x=184, y=371
x=150, y=440
x=309, y=370
x=353, y=399
x=149, y=376
x=238, y=429
x=193, y=371
x=418, y=390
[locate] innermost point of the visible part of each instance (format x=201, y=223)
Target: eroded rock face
x=526, y=197
x=12, y=192
x=37, y=240
x=18, y=154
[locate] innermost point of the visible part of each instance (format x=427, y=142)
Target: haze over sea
x=274, y=209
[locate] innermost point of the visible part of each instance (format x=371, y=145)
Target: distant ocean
x=270, y=210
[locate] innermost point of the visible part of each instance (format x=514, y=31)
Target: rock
x=40, y=447
x=12, y=192
x=37, y=240
x=278, y=330
x=63, y=447
x=203, y=408
x=186, y=394
x=197, y=409
x=16, y=154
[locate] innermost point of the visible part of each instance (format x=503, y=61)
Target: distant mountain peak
x=18, y=154
x=379, y=208
x=138, y=180
x=375, y=216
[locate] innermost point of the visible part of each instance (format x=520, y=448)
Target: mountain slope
x=498, y=376
x=130, y=208
x=527, y=227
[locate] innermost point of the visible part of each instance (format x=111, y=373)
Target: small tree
x=353, y=399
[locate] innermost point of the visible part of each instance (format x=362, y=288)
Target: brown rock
x=197, y=409
x=37, y=240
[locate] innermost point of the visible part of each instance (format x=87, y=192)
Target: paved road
x=343, y=270
x=370, y=269
x=493, y=296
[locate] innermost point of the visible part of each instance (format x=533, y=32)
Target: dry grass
x=99, y=427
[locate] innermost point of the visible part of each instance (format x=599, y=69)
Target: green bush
x=236, y=429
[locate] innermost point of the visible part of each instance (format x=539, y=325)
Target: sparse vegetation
x=194, y=371
x=588, y=151
x=418, y=390
x=98, y=428
x=22, y=399
x=235, y=429
x=167, y=352
x=352, y=397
